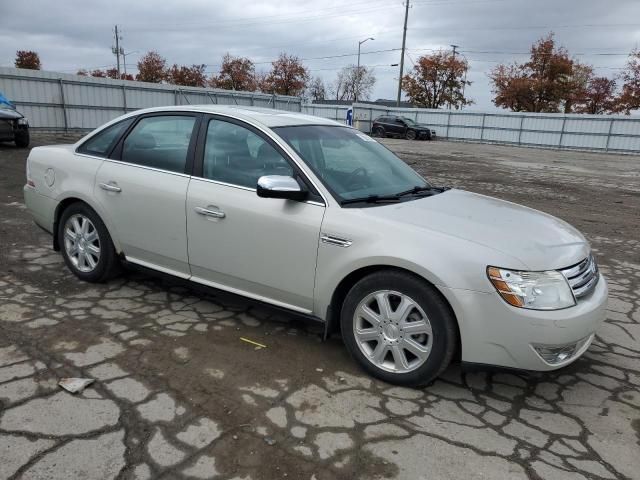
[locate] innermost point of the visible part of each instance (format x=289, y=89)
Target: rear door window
x=160, y=142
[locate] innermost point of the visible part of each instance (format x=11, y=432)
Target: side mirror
x=280, y=186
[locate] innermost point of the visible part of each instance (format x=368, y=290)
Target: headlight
x=534, y=290
x=23, y=121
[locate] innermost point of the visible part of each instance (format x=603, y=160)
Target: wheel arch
x=332, y=320
x=63, y=204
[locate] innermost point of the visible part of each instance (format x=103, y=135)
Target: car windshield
x=351, y=164
x=408, y=121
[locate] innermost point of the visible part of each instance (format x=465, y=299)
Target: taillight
x=30, y=182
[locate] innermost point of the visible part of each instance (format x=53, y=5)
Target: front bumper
x=495, y=333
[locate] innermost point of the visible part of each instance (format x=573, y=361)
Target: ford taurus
x=309, y=215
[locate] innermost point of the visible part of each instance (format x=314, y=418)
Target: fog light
x=557, y=354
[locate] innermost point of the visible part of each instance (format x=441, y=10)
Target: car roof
x=266, y=116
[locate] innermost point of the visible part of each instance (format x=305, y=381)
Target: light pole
x=124, y=56
x=355, y=94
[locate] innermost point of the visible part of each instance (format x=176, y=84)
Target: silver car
x=315, y=217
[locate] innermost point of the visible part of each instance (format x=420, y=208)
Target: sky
x=74, y=34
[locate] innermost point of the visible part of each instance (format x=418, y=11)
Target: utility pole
x=404, y=42
x=455, y=47
x=116, y=50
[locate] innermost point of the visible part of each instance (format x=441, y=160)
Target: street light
x=124, y=56
x=355, y=94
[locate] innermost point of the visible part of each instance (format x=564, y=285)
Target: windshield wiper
x=396, y=197
x=371, y=199
x=420, y=189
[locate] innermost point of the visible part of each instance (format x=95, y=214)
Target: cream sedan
x=306, y=214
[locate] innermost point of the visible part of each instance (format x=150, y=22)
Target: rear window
x=101, y=144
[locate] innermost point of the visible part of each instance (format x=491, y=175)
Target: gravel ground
x=179, y=395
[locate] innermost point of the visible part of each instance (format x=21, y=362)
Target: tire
x=426, y=311
x=379, y=132
x=410, y=135
x=86, y=264
x=22, y=139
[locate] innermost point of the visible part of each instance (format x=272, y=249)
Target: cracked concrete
x=178, y=395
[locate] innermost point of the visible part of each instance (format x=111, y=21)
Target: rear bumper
x=42, y=208
x=494, y=333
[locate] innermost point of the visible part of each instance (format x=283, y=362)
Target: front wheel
x=86, y=246
x=398, y=328
x=22, y=139
x=410, y=135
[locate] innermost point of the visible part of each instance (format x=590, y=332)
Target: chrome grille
x=582, y=277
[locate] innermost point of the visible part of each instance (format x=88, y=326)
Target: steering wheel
x=358, y=177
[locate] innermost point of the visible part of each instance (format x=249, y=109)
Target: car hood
x=9, y=114
x=538, y=240
x=422, y=126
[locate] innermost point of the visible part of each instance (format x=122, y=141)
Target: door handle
x=210, y=213
x=110, y=187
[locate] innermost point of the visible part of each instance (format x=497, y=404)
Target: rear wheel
x=86, y=246
x=410, y=135
x=398, y=328
x=379, y=132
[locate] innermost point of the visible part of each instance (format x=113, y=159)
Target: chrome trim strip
x=144, y=167
x=332, y=240
x=241, y=187
x=237, y=291
x=244, y=293
x=153, y=266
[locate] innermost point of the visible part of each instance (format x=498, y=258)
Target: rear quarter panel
x=59, y=174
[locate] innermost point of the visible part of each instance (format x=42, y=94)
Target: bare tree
x=317, y=90
x=353, y=83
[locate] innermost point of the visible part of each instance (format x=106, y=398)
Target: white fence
x=609, y=133
x=56, y=101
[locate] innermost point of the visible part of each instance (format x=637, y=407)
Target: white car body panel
x=147, y=216
x=271, y=250
x=265, y=247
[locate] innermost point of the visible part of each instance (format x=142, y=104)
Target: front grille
x=582, y=277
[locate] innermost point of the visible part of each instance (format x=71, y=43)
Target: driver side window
x=236, y=155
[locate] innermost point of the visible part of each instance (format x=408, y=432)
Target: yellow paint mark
x=252, y=342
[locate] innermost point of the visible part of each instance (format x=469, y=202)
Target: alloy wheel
x=392, y=331
x=82, y=243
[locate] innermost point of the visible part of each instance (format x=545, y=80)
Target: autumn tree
x=316, y=90
x=629, y=99
x=192, y=76
x=27, y=59
x=109, y=73
x=151, y=68
x=288, y=76
x=353, y=83
x=551, y=81
x=436, y=80
x=600, y=97
x=236, y=73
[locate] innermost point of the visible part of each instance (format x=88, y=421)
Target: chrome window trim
x=144, y=167
x=248, y=189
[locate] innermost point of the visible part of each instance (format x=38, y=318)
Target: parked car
x=312, y=216
x=13, y=126
x=402, y=127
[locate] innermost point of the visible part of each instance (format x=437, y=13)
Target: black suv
x=401, y=127
x=13, y=127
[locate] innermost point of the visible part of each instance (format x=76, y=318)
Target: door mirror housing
x=280, y=186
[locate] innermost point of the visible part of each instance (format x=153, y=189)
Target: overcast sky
x=75, y=34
